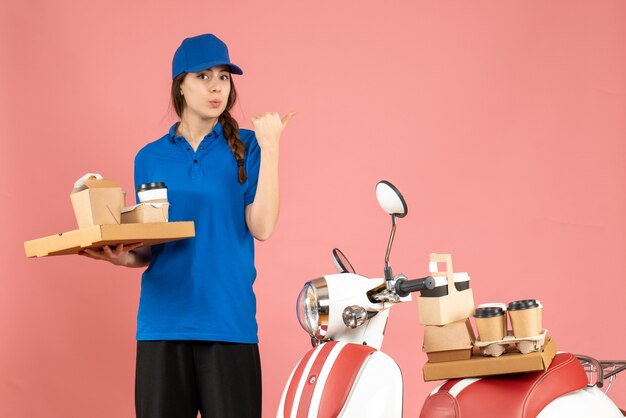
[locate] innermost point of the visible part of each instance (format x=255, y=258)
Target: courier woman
x=196, y=328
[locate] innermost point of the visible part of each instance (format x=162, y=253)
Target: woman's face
x=206, y=92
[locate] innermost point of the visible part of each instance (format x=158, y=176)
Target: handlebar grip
x=404, y=286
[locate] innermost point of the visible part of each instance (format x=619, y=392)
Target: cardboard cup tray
x=523, y=345
x=97, y=236
x=477, y=365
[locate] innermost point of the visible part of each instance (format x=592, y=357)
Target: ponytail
x=231, y=132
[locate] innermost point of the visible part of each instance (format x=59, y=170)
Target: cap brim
x=206, y=65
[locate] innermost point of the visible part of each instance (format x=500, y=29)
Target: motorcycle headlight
x=312, y=308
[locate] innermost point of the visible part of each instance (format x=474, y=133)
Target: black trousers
x=176, y=379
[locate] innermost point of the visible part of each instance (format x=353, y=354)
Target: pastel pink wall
x=503, y=123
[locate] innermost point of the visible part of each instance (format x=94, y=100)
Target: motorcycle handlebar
x=405, y=286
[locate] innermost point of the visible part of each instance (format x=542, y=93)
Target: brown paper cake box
x=95, y=237
x=450, y=342
x=97, y=201
x=145, y=213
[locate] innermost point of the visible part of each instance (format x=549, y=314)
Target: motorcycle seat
x=520, y=395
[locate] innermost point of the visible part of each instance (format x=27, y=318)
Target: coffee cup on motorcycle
x=155, y=192
x=499, y=305
x=525, y=318
x=490, y=323
x=461, y=281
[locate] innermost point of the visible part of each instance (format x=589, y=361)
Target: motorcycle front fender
x=338, y=379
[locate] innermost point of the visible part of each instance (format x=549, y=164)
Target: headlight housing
x=312, y=308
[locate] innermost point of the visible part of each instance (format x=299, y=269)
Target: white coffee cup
x=152, y=192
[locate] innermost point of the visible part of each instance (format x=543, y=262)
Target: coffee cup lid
x=461, y=277
x=489, y=312
x=523, y=304
x=441, y=281
x=151, y=186
x=493, y=305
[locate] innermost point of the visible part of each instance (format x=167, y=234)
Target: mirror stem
x=388, y=273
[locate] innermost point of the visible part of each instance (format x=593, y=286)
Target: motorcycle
x=346, y=374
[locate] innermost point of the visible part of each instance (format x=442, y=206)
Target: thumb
x=133, y=246
x=285, y=119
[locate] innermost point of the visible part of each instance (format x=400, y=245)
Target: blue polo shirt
x=201, y=288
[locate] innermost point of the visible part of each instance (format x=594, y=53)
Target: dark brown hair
x=229, y=124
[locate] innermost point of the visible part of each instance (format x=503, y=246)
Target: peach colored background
x=503, y=123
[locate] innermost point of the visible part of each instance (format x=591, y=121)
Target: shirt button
x=201, y=147
x=195, y=161
x=188, y=148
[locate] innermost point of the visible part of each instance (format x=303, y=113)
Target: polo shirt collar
x=217, y=131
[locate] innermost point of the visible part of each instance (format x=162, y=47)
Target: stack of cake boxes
x=99, y=201
x=445, y=312
x=102, y=219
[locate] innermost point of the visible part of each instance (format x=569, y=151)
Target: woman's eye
x=203, y=76
x=225, y=77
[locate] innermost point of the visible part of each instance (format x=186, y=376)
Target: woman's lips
x=214, y=103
